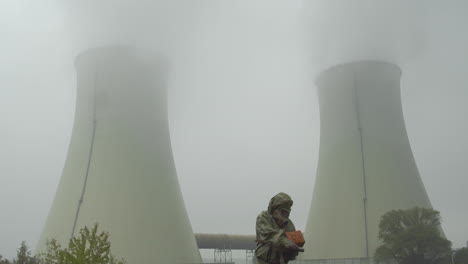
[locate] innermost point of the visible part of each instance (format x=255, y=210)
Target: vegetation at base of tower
x=460, y=256
x=89, y=247
x=412, y=236
x=23, y=256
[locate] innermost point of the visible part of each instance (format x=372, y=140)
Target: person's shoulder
x=263, y=215
x=264, y=218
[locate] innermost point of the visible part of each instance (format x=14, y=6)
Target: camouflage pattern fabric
x=271, y=238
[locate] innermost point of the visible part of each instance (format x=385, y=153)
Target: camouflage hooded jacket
x=271, y=239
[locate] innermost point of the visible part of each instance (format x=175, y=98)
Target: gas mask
x=281, y=216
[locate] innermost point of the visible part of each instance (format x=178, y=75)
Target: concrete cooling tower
x=120, y=171
x=366, y=167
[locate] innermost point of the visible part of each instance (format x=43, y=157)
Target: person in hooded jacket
x=273, y=246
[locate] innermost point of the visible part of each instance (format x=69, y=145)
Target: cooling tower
x=366, y=167
x=120, y=171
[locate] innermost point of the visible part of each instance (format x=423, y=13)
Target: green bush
x=412, y=236
x=90, y=247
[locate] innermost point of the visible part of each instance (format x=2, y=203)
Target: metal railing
x=340, y=261
x=333, y=261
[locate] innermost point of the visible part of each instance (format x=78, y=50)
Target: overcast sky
x=242, y=104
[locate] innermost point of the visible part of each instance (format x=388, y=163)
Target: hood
x=280, y=200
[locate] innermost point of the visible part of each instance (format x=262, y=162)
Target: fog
x=341, y=31
x=243, y=110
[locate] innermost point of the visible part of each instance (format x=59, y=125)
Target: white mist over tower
x=120, y=170
x=366, y=166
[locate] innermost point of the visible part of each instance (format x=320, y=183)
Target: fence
x=340, y=261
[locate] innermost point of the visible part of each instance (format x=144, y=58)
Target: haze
x=242, y=103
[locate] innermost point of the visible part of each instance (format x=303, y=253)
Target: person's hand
x=292, y=247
